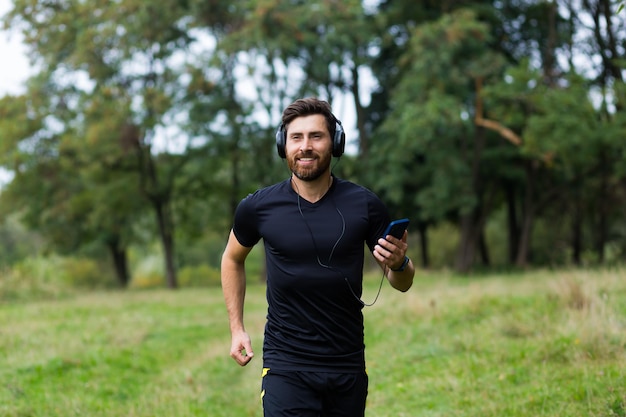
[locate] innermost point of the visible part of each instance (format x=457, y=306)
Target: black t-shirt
x=314, y=254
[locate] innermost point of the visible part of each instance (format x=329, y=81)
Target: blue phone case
x=396, y=228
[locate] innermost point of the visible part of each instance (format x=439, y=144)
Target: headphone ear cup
x=280, y=142
x=339, y=140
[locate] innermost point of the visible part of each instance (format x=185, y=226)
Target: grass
x=534, y=344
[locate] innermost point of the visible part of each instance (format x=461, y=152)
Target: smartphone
x=396, y=228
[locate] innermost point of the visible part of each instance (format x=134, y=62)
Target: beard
x=314, y=172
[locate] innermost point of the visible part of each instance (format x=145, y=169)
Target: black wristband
x=404, y=264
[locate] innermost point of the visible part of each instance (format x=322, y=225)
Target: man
x=314, y=227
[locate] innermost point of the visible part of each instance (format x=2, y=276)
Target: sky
x=14, y=70
x=15, y=67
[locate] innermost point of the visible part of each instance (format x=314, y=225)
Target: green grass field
x=534, y=344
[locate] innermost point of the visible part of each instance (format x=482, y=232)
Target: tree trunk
x=577, y=231
x=602, y=237
x=470, y=235
x=120, y=262
x=549, y=53
x=528, y=215
x=360, y=115
x=605, y=36
x=602, y=212
x=484, y=250
x=423, y=237
x=158, y=194
x=472, y=223
x=166, y=229
x=234, y=196
x=524, y=242
x=512, y=223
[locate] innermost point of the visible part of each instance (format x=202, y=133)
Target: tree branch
x=479, y=120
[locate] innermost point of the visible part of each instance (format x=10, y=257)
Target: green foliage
x=199, y=276
x=52, y=277
x=206, y=250
x=16, y=241
x=432, y=138
x=147, y=123
x=572, y=135
x=130, y=89
x=147, y=270
x=443, y=240
x=539, y=343
x=147, y=279
x=83, y=273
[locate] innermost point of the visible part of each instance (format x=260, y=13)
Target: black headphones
x=339, y=140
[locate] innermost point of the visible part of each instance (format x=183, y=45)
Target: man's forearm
x=402, y=280
x=234, y=290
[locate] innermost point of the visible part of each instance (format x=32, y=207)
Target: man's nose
x=306, y=144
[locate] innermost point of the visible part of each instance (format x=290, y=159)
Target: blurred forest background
x=498, y=127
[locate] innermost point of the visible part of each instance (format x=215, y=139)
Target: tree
x=126, y=58
x=141, y=108
x=435, y=140
x=69, y=196
x=301, y=48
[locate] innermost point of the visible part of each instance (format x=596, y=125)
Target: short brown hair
x=309, y=106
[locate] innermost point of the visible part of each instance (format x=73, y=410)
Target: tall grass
x=547, y=344
x=535, y=344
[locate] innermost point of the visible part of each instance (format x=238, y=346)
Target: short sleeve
x=245, y=224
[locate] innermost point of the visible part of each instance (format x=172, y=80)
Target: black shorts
x=313, y=394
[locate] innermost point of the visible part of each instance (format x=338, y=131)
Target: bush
x=189, y=276
x=148, y=272
x=51, y=277
x=34, y=278
x=86, y=273
x=199, y=276
x=147, y=279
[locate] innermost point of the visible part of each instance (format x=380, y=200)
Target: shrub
x=148, y=273
x=35, y=278
x=147, y=279
x=199, y=276
x=86, y=273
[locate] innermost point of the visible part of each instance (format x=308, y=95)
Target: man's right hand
x=241, y=348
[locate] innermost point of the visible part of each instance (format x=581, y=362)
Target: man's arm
x=390, y=254
x=233, y=277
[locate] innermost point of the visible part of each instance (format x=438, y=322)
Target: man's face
x=308, y=147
